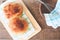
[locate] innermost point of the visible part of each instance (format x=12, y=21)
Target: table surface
x=47, y=32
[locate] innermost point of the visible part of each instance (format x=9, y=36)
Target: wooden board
x=33, y=21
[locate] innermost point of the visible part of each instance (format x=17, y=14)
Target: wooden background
x=47, y=32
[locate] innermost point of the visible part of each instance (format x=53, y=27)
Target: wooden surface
x=47, y=33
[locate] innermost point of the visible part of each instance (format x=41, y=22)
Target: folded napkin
x=53, y=18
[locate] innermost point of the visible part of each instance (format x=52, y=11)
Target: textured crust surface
x=18, y=25
x=13, y=9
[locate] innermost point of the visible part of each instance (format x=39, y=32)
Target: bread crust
x=18, y=25
x=13, y=9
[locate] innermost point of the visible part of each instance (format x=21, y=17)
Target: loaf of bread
x=13, y=9
x=18, y=25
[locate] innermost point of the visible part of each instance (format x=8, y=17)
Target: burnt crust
x=18, y=25
x=13, y=9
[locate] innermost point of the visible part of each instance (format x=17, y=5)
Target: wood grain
x=47, y=33
x=3, y=33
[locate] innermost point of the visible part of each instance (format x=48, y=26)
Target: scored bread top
x=13, y=9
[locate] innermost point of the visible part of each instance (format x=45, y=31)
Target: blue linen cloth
x=53, y=19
